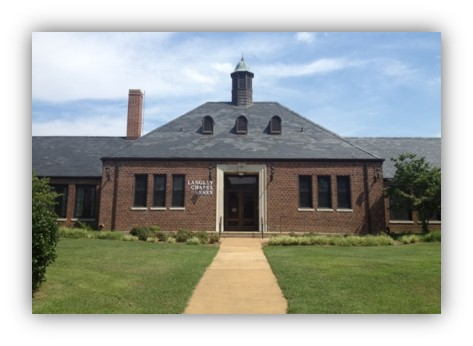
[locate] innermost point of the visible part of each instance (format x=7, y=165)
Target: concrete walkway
x=238, y=281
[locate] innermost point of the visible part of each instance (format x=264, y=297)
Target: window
x=398, y=211
x=178, y=191
x=159, y=196
x=61, y=200
x=305, y=191
x=141, y=190
x=325, y=191
x=241, y=125
x=343, y=192
x=85, y=202
x=207, y=125
x=275, y=125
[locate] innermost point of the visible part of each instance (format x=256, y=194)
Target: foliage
x=416, y=185
x=336, y=240
x=193, y=241
x=182, y=236
x=143, y=233
x=432, y=237
x=214, y=238
x=76, y=233
x=82, y=225
x=410, y=239
x=44, y=229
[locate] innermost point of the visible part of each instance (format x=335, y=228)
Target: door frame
x=241, y=168
x=241, y=193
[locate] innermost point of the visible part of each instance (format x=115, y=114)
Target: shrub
x=108, y=235
x=335, y=240
x=82, y=225
x=141, y=232
x=182, y=236
x=171, y=240
x=410, y=239
x=128, y=237
x=193, y=241
x=72, y=233
x=45, y=234
x=160, y=236
x=432, y=237
x=203, y=237
x=214, y=238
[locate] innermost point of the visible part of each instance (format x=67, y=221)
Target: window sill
x=324, y=209
x=138, y=208
x=432, y=222
x=305, y=209
x=343, y=210
x=401, y=222
x=157, y=208
x=61, y=219
x=79, y=219
x=177, y=208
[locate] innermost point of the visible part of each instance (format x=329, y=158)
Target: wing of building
x=238, y=166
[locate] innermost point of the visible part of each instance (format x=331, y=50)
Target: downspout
x=367, y=197
x=115, y=196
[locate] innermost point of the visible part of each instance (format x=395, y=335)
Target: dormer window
x=207, y=125
x=241, y=125
x=275, y=125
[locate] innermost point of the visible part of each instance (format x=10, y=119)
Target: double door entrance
x=241, y=203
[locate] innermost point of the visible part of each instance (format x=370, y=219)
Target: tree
x=417, y=185
x=45, y=232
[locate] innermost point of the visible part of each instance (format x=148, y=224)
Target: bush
x=45, y=234
x=182, y=236
x=161, y=236
x=142, y=233
x=213, y=238
x=193, y=241
x=432, y=237
x=410, y=239
x=335, y=240
x=203, y=237
x=171, y=240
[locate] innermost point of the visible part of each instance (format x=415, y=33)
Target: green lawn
x=404, y=279
x=108, y=276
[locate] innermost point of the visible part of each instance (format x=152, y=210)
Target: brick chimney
x=135, y=114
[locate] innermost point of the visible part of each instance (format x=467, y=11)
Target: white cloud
x=292, y=70
x=305, y=37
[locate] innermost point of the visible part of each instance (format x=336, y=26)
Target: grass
x=359, y=280
x=106, y=277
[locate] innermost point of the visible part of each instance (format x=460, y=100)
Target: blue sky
x=355, y=84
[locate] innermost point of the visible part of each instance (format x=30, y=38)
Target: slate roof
x=388, y=148
x=300, y=139
x=73, y=156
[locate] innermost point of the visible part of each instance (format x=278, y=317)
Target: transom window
x=241, y=125
x=207, y=125
x=275, y=125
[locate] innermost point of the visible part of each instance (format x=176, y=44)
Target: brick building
x=238, y=166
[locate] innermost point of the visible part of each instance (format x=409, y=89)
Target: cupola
x=242, y=85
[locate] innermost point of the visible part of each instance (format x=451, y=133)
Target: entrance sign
x=201, y=187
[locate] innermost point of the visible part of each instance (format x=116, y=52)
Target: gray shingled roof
x=388, y=148
x=72, y=156
x=182, y=138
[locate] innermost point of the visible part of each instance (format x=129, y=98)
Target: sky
x=359, y=84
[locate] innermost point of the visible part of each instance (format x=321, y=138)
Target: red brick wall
x=282, y=192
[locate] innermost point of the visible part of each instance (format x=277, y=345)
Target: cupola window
x=207, y=125
x=275, y=125
x=241, y=125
